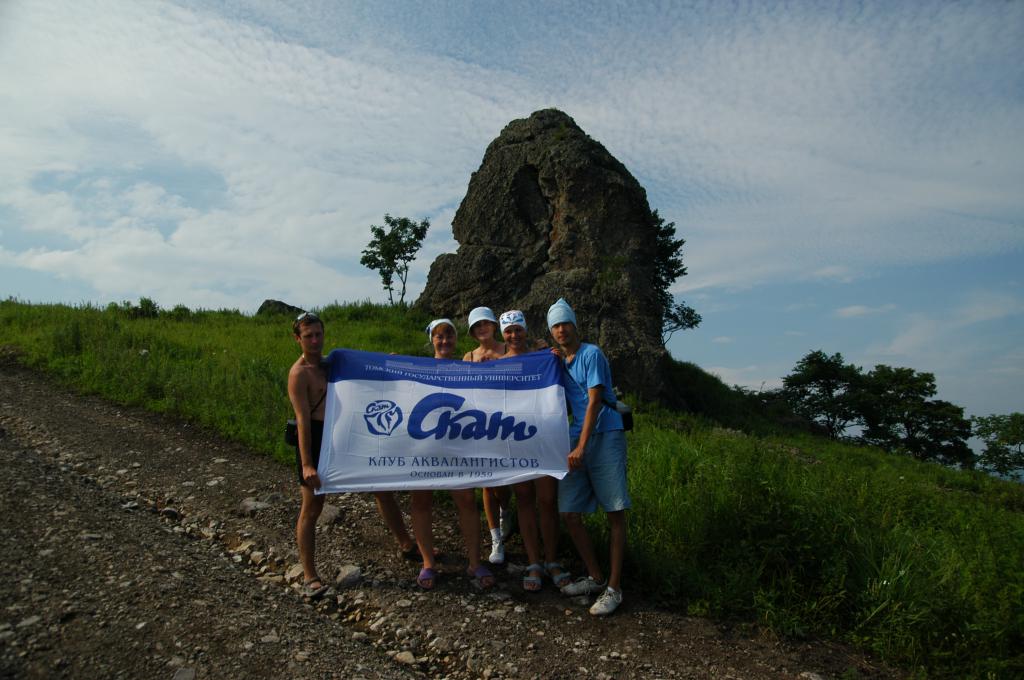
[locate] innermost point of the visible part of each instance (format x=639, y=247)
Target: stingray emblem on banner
x=395, y=422
x=382, y=416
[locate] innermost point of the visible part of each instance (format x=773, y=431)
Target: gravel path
x=136, y=546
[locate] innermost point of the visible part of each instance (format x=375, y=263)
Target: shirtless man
x=307, y=390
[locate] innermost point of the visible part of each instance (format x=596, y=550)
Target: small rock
x=302, y=657
x=293, y=573
x=250, y=506
x=349, y=576
x=30, y=621
x=270, y=638
x=184, y=674
x=403, y=603
x=170, y=513
x=406, y=658
x=244, y=546
x=329, y=515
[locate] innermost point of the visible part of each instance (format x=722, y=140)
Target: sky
x=848, y=176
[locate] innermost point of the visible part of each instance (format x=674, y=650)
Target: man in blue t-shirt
x=597, y=462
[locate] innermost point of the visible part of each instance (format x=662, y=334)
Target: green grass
x=917, y=563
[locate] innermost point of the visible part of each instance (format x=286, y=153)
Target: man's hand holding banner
x=398, y=422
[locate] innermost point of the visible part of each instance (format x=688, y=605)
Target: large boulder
x=276, y=308
x=550, y=213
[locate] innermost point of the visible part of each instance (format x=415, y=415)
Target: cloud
x=305, y=150
x=749, y=377
x=854, y=311
x=785, y=143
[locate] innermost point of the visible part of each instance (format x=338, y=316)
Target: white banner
x=397, y=422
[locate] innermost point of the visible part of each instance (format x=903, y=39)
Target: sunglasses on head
x=306, y=316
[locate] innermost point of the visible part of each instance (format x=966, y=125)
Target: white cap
x=481, y=314
x=513, y=317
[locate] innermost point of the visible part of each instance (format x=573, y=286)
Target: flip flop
x=311, y=592
x=427, y=578
x=482, y=576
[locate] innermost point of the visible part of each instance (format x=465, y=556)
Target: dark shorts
x=318, y=438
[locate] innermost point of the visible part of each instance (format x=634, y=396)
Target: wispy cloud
x=749, y=377
x=854, y=311
x=786, y=142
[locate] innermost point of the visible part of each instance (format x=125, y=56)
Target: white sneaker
x=584, y=585
x=607, y=602
x=497, y=555
x=505, y=522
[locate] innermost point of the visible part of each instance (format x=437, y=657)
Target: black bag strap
x=325, y=366
x=609, y=404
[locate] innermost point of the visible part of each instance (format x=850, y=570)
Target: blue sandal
x=427, y=578
x=559, y=579
x=531, y=583
x=483, y=577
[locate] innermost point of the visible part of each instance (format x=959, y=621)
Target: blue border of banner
x=525, y=372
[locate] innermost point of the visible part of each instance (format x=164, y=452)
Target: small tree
x=1004, y=442
x=668, y=266
x=390, y=251
x=679, y=317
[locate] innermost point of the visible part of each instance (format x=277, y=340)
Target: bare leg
x=305, y=531
x=422, y=505
x=525, y=500
x=388, y=508
x=547, y=502
x=617, y=537
x=584, y=546
x=492, y=507
x=469, y=523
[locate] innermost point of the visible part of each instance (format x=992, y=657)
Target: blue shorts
x=601, y=480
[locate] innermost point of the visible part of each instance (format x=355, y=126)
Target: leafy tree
x=1004, y=442
x=945, y=434
x=679, y=317
x=390, y=251
x=668, y=266
x=898, y=415
x=824, y=390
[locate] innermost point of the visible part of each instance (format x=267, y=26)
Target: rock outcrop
x=550, y=213
x=276, y=307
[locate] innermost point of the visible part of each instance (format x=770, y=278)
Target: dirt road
x=136, y=546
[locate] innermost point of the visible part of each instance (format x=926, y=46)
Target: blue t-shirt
x=589, y=368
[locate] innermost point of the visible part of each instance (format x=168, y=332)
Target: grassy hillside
x=918, y=563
